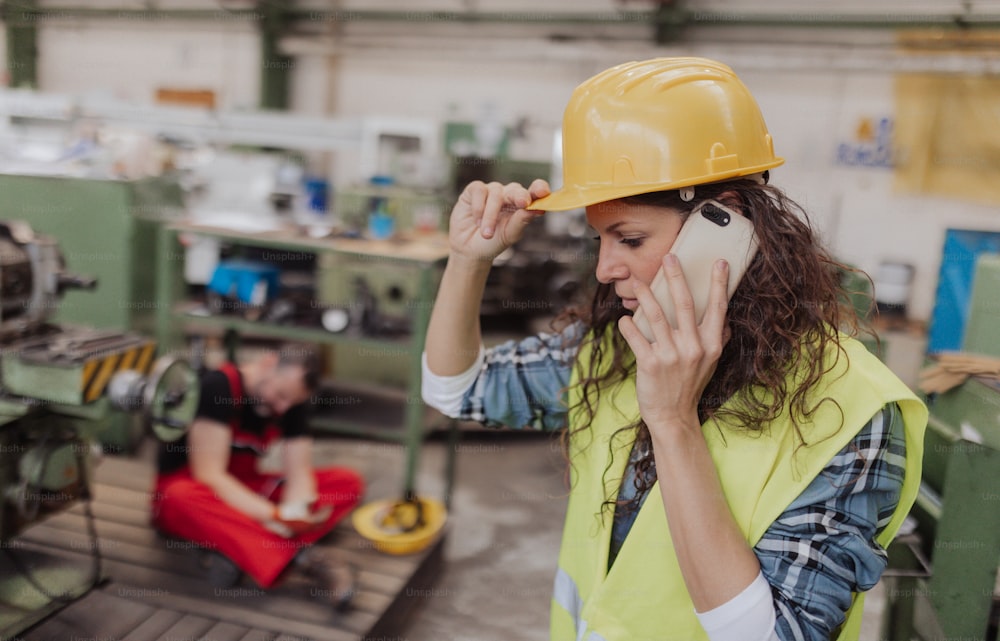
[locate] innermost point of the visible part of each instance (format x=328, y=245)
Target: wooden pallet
x=156, y=590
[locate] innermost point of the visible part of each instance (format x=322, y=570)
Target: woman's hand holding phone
x=713, y=231
x=673, y=369
x=679, y=329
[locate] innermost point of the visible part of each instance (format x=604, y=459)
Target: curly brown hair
x=785, y=313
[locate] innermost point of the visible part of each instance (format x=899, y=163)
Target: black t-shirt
x=217, y=403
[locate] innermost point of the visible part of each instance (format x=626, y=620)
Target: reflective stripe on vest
x=567, y=596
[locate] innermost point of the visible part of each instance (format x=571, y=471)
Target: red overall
x=188, y=509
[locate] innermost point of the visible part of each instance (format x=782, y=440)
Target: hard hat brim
x=576, y=196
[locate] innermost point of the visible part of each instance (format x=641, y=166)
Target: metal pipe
x=18, y=13
x=12, y=12
x=275, y=72
x=671, y=15
x=22, y=49
x=849, y=21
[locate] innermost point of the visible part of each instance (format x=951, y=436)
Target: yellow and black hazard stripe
x=98, y=371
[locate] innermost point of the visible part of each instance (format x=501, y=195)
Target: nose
x=610, y=267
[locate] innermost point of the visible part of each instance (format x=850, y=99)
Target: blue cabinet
x=954, y=292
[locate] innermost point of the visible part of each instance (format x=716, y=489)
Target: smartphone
x=711, y=232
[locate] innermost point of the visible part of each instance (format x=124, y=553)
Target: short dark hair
x=304, y=355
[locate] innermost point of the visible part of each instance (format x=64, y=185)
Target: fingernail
x=487, y=231
x=672, y=260
x=722, y=265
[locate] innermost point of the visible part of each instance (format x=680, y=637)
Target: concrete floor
x=506, y=520
x=507, y=510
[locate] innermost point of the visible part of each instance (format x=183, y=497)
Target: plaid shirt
x=822, y=547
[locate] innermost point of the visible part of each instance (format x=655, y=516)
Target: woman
x=737, y=478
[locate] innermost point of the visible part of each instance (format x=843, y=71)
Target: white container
x=200, y=258
x=895, y=273
x=892, y=283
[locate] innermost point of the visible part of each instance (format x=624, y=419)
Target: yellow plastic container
x=391, y=525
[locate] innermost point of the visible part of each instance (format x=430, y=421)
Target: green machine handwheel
x=167, y=396
x=170, y=398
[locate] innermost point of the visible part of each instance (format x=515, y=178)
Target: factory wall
x=130, y=58
x=818, y=90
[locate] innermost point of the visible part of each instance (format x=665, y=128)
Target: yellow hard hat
x=401, y=527
x=658, y=124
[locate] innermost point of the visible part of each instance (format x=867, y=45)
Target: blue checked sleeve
x=822, y=548
x=523, y=383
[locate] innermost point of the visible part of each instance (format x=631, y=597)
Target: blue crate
x=239, y=278
x=954, y=292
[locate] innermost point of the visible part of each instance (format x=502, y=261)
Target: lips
x=630, y=303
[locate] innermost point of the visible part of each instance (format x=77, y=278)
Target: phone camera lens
x=716, y=215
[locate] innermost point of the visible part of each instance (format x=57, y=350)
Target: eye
x=632, y=242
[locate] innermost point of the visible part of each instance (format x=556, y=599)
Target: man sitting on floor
x=210, y=491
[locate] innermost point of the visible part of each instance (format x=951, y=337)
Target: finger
x=630, y=332
x=516, y=198
x=718, y=300
x=680, y=293
x=518, y=222
x=657, y=319
x=539, y=189
x=516, y=195
x=491, y=209
x=473, y=197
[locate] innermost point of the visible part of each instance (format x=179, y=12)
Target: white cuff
x=748, y=616
x=445, y=393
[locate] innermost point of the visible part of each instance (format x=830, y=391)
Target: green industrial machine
x=943, y=587
x=410, y=208
x=380, y=296
x=106, y=229
x=943, y=577
x=376, y=293
x=982, y=331
x=59, y=384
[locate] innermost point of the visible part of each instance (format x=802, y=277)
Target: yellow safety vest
x=644, y=597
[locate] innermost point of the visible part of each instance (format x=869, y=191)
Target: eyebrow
x=612, y=227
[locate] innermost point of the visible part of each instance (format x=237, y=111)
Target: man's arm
x=209, y=442
x=300, y=482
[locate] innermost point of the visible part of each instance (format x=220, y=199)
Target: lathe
x=58, y=385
